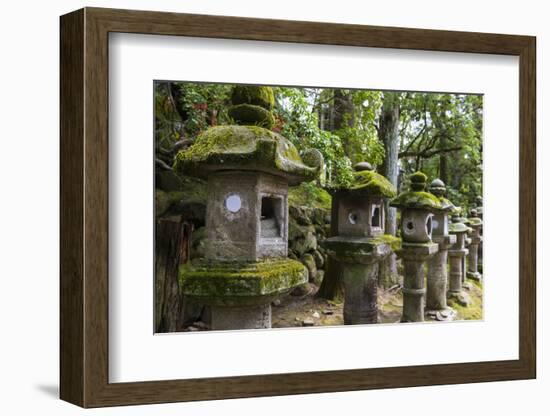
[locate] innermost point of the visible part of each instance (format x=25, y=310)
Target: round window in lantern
x=435, y=224
x=353, y=218
x=409, y=227
x=233, y=203
x=429, y=225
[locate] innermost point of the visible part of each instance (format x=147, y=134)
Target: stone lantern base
x=414, y=255
x=359, y=258
x=456, y=260
x=436, y=295
x=240, y=294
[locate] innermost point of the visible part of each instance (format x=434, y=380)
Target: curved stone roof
x=247, y=148
x=417, y=200
x=372, y=183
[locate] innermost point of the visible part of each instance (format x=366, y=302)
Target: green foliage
x=440, y=134
x=183, y=110
x=300, y=124
x=308, y=194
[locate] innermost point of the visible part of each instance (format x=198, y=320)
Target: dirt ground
x=313, y=311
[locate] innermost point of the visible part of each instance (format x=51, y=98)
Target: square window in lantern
x=271, y=217
x=376, y=217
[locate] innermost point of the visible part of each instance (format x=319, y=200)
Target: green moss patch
x=345, y=247
x=309, y=195
x=416, y=199
x=474, y=221
x=474, y=311
x=247, y=114
x=240, y=280
x=249, y=94
x=372, y=183
x=246, y=147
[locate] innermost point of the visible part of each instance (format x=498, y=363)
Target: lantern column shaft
x=360, y=288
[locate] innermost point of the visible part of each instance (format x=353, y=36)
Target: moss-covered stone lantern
x=436, y=282
x=249, y=169
x=417, y=211
x=360, y=243
x=475, y=223
x=467, y=241
x=479, y=209
x=457, y=253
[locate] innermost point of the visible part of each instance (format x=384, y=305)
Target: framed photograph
x=255, y=207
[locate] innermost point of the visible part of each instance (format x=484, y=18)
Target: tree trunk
x=389, y=135
x=443, y=160
x=171, y=249
x=332, y=286
x=344, y=116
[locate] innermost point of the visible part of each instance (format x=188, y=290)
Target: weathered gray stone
x=475, y=223
x=308, y=261
x=360, y=243
x=457, y=254
x=245, y=317
x=414, y=255
x=319, y=277
x=436, y=282
x=248, y=169
x=302, y=290
x=319, y=259
x=306, y=242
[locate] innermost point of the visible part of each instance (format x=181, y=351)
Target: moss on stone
x=418, y=177
x=345, y=247
x=458, y=227
x=474, y=311
x=309, y=195
x=191, y=190
x=372, y=183
x=247, y=114
x=240, y=280
x=475, y=222
x=416, y=199
x=446, y=205
x=243, y=147
x=249, y=94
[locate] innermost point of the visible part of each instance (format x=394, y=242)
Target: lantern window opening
x=376, y=217
x=429, y=225
x=271, y=217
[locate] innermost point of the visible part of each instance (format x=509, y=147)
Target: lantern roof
x=249, y=144
x=417, y=197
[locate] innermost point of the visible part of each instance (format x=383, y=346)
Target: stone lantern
x=417, y=212
x=249, y=169
x=479, y=209
x=457, y=253
x=360, y=243
x=475, y=223
x=436, y=294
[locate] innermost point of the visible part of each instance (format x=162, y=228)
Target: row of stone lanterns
x=429, y=237
x=249, y=169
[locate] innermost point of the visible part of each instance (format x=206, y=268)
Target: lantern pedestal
x=456, y=257
x=414, y=255
x=359, y=259
x=436, y=293
x=473, y=251
x=240, y=294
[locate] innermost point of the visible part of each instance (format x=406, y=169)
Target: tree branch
x=427, y=154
